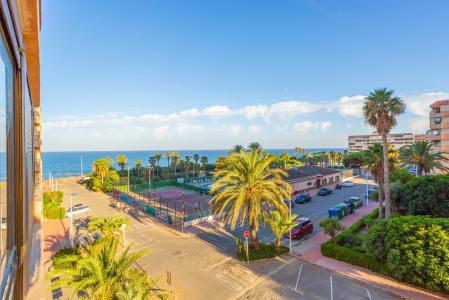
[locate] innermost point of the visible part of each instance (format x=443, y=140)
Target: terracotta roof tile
x=439, y=103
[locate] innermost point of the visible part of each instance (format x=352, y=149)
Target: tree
x=331, y=226
x=237, y=148
x=280, y=225
x=298, y=150
x=174, y=161
x=122, y=161
x=353, y=160
x=139, y=287
x=421, y=156
x=288, y=161
x=196, y=158
x=157, y=156
x=101, y=167
x=101, y=272
x=380, y=111
x=204, y=160
x=247, y=188
x=107, y=226
x=168, y=156
x=153, y=163
x=373, y=159
x=187, y=166
x=254, y=146
x=138, y=164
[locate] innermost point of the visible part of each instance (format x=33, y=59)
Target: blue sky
x=137, y=75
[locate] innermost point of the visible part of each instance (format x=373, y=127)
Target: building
x=20, y=142
x=438, y=134
x=362, y=142
x=309, y=177
x=420, y=137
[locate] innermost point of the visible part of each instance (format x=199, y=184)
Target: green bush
x=413, y=249
x=265, y=251
x=52, y=199
x=55, y=213
x=425, y=195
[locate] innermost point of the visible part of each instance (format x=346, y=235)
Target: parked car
x=347, y=184
x=338, y=186
x=324, y=192
x=304, y=227
x=77, y=209
x=355, y=202
x=287, y=202
x=303, y=198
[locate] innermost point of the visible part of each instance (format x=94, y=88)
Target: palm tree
x=204, y=160
x=101, y=167
x=373, y=159
x=102, y=272
x=152, y=161
x=254, y=146
x=380, y=111
x=196, y=158
x=168, y=156
x=175, y=161
x=187, y=166
x=421, y=156
x=280, y=225
x=138, y=164
x=157, y=156
x=122, y=160
x=237, y=148
x=298, y=151
x=247, y=188
x=107, y=226
x=139, y=287
x=288, y=161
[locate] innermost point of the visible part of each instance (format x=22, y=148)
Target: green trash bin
x=341, y=210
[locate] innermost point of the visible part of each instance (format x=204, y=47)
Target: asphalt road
x=316, y=210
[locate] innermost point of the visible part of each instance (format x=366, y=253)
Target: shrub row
x=55, y=213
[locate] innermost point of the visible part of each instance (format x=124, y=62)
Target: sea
x=69, y=164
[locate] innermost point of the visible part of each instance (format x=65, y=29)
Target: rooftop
x=309, y=171
x=438, y=103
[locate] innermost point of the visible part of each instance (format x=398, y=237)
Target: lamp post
x=290, y=235
x=71, y=217
x=123, y=229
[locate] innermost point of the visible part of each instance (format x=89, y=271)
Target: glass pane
x=3, y=164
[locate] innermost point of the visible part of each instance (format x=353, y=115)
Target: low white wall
x=198, y=221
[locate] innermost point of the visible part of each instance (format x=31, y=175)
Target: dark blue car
x=324, y=192
x=303, y=198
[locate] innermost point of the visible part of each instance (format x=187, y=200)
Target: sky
x=191, y=74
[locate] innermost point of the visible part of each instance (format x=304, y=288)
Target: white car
x=77, y=209
x=347, y=184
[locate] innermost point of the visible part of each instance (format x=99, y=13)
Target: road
x=203, y=266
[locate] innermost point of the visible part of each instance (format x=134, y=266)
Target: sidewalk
x=310, y=251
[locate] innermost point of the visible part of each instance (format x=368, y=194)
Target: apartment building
x=438, y=134
x=20, y=142
x=362, y=142
x=420, y=137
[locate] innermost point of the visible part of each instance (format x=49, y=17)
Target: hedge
x=55, y=213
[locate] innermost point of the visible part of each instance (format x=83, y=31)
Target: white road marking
x=369, y=295
x=332, y=293
x=299, y=292
x=297, y=279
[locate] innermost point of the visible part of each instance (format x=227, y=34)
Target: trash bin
x=341, y=207
x=333, y=212
x=348, y=209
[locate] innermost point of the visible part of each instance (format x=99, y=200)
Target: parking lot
x=315, y=210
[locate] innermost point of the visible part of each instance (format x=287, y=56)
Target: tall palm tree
x=102, y=272
x=298, y=150
x=204, y=160
x=288, y=161
x=157, y=156
x=237, y=148
x=138, y=164
x=101, y=167
x=421, y=156
x=280, y=225
x=373, y=159
x=175, y=161
x=187, y=166
x=196, y=158
x=168, y=156
x=153, y=163
x=254, y=146
x=139, y=287
x=247, y=188
x=122, y=160
x=380, y=111
x=107, y=226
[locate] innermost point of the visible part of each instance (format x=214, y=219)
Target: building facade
x=438, y=133
x=20, y=142
x=362, y=142
x=311, y=177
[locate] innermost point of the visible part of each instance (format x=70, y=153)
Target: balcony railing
x=9, y=276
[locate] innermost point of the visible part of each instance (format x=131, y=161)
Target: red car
x=304, y=227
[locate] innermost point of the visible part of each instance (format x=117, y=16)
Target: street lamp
x=123, y=229
x=71, y=217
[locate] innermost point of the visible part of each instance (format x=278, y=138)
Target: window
x=6, y=150
x=337, y=178
x=437, y=120
x=309, y=183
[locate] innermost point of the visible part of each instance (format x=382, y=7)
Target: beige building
x=362, y=142
x=310, y=177
x=420, y=137
x=438, y=134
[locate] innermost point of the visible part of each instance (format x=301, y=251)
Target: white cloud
x=350, y=106
x=307, y=126
x=419, y=104
x=419, y=125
